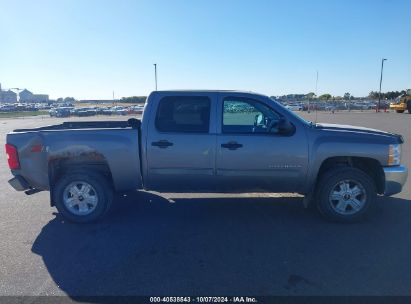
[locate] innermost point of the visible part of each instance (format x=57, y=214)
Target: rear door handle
x=232, y=145
x=162, y=144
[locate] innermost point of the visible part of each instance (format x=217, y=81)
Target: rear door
x=181, y=143
x=252, y=153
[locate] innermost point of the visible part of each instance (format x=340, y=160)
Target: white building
x=7, y=96
x=27, y=96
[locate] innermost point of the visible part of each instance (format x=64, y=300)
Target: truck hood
x=350, y=128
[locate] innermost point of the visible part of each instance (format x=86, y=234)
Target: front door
x=181, y=148
x=253, y=154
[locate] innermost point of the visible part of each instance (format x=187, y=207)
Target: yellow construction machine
x=402, y=103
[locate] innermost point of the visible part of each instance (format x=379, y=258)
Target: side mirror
x=285, y=126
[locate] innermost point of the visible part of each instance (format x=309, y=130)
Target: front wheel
x=345, y=194
x=83, y=196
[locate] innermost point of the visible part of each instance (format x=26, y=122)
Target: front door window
x=244, y=116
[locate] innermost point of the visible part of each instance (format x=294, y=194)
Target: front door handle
x=232, y=145
x=162, y=144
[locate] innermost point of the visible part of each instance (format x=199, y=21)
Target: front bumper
x=395, y=178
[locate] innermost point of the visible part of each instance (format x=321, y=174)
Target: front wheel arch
x=368, y=165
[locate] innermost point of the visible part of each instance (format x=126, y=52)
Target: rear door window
x=183, y=114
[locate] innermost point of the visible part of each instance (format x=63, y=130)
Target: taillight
x=12, y=157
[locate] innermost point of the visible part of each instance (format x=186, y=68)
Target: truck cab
x=222, y=141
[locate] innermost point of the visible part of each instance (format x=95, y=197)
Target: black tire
x=100, y=189
x=350, y=177
x=409, y=106
x=399, y=111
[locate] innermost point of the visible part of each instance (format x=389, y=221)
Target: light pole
x=155, y=74
x=379, y=95
x=316, y=85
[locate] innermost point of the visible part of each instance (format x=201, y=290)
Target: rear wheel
x=83, y=196
x=345, y=194
x=409, y=106
x=399, y=111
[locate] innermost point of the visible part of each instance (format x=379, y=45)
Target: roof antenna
x=155, y=74
x=316, y=94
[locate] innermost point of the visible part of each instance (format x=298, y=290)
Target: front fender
x=331, y=147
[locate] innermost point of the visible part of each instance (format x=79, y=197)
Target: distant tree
x=69, y=100
x=310, y=95
x=373, y=95
x=325, y=97
x=347, y=96
x=60, y=99
x=393, y=95
x=134, y=99
x=386, y=95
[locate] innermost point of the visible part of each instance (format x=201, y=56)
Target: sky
x=89, y=48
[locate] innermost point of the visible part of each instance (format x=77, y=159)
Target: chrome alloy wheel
x=80, y=198
x=347, y=197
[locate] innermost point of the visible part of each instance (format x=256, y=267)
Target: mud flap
x=307, y=200
x=52, y=203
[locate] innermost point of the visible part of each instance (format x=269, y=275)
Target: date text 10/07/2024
x=239, y=299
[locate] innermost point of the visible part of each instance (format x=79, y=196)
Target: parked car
x=7, y=108
x=191, y=141
x=135, y=110
x=52, y=112
x=60, y=112
x=119, y=110
x=294, y=107
x=99, y=110
x=81, y=112
x=107, y=111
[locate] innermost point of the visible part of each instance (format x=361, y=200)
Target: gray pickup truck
x=207, y=141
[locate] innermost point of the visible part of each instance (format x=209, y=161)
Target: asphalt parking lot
x=253, y=244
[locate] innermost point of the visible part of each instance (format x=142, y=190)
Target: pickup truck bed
x=79, y=145
x=74, y=125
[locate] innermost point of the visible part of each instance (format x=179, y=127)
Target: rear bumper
x=395, y=178
x=19, y=183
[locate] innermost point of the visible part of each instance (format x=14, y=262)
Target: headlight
x=394, y=155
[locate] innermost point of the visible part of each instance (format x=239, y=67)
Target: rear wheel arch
x=58, y=168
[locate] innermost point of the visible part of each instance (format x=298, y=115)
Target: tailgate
x=32, y=156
